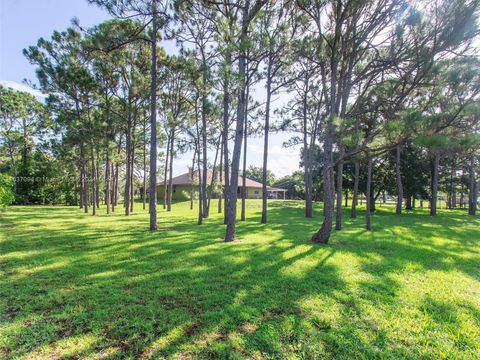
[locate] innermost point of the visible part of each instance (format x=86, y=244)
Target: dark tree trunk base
x=321, y=237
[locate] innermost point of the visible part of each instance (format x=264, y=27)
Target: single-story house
x=182, y=186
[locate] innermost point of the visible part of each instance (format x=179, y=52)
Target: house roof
x=186, y=179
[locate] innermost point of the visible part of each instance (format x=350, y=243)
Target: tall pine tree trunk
x=192, y=179
x=94, y=175
x=152, y=196
x=165, y=177
x=84, y=179
x=200, y=188
x=220, y=195
x=338, y=219
x=117, y=167
x=408, y=200
x=323, y=234
x=472, y=188
x=107, y=176
x=144, y=190
x=132, y=177
x=368, y=193
x=245, y=134
x=453, y=198
x=353, y=212
x=97, y=181
x=170, y=175
x=80, y=185
x=214, y=176
x=113, y=188
x=226, y=170
x=307, y=160
x=435, y=175
x=231, y=198
x=128, y=167
x=265, y=145
x=398, y=177
x=204, y=155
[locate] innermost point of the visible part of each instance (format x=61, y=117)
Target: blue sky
x=23, y=22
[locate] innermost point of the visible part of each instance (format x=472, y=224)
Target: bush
x=6, y=192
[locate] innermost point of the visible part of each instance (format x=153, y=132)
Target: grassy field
x=75, y=286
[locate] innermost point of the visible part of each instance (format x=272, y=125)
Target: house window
x=174, y=188
x=256, y=192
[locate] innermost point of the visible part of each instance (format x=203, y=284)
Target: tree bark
x=323, y=234
x=144, y=191
x=132, y=173
x=117, y=167
x=200, y=189
x=204, y=151
x=338, y=218
x=107, y=176
x=170, y=177
x=369, y=197
x=399, y=180
x=94, y=173
x=226, y=171
x=97, y=181
x=197, y=149
x=373, y=203
x=84, y=179
x=435, y=175
x=80, y=185
x=221, y=180
x=231, y=198
x=192, y=177
x=128, y=167
x=265, y=144
x=245, y=135
x=353, y=213
x=453, y=196
x=153, y=126
x=408, y=201
x=472, y=188
x=165, y=177
x=214, y=176
x=307, y=160
x=113, y=187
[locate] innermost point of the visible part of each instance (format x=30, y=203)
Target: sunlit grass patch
x=73, y=285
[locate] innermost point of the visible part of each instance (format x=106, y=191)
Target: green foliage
x=294, y=184
x=41, y=180
x=23, y=122
x=433, y=142
x=6, y=192
x=256, y=173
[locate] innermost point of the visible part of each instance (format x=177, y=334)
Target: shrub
x=6, y=192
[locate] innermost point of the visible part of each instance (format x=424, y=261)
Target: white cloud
x=25, y=88
x=281, y=161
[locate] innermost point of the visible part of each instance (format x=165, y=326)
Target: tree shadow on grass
x=182, y=291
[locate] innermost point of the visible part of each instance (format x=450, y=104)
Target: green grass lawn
x=73, y=285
